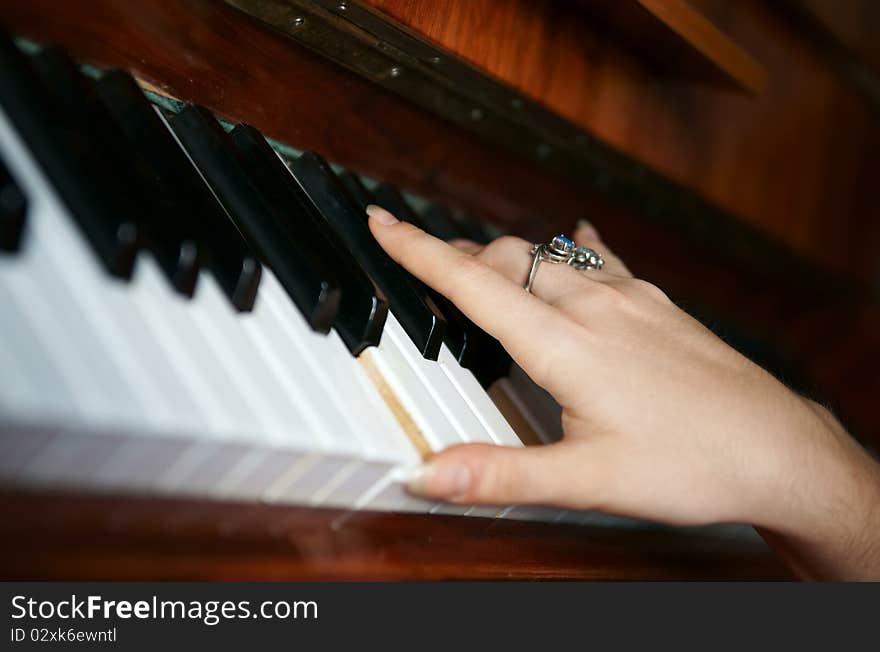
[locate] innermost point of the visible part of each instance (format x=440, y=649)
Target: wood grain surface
x=77, y=537
x=798, y=159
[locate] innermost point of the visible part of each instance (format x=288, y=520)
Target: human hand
x=662, y=419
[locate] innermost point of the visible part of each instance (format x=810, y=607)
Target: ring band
x=562, y=249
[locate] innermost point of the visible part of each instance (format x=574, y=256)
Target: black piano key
x=362, y=309
x=13, y=211
x=127, y=174
x=473, y=347
x=129, y=126
x=233, y=264
x=472, y=229
x=356, y=190
x=300, y=268
x=73, y=97
x=195, y=210
x=420, y=319
x=441, y=222
x=64, y=151
x=459, y=329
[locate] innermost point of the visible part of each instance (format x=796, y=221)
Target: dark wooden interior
x=92, y=537
x=796, y=160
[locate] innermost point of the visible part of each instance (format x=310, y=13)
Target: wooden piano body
x=729, y=154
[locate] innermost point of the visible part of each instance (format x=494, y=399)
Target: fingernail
x=442, y=480
x=584, y=225
x=381, y=215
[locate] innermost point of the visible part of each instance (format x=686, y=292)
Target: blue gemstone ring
x=562, y=249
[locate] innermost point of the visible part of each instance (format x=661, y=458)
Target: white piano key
x=30, y=385
x=390, y=494
x=275, y=490
x=282, y=338
x=520, y=403
x=478, y=400
x=26, y=297
x=533, y=513
x=332, y=483
x=272, y=468
x=342, y=382
x=307, y=480
x=94, y=291
x=176, y=404
x=392, y=358
x=139, y=461
x=453, y=405
x=220, y=403
x=229, y=334
x=540, y=409
x=53, y=239
x=171, y=319
x=215, y=322
x=485, y=511
x=351, y=486
x=71, y=458
x=19, y=444
x=61, y=319
x=107, y=303
x=451, y=509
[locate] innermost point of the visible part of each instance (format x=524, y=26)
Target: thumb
x=483, y=474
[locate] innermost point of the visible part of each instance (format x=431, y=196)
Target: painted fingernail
x=381, y=215
x=585, y=228
x=446, y=480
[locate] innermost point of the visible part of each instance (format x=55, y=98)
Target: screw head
x=395, y=71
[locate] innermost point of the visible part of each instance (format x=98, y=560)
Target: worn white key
x=339, y=382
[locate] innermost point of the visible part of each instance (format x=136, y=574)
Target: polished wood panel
x=852, y=24
x=672, y=36
x=78, y=537
x=798, y=160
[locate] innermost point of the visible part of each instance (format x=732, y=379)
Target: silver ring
x=562, y=249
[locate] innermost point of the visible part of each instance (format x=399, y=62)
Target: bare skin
x=663, y=420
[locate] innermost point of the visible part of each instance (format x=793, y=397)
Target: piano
x=211, y=370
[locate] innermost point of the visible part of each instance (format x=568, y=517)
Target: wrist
x=825, y=518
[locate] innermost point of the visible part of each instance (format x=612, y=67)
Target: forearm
x=847, y=555
x=831, y=530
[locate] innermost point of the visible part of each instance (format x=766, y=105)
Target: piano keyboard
x=185, y=312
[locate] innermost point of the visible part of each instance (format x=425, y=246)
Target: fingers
x=511, y=257
x=489, y=299
x=585, y=232
x=586, y=235
x=467, y=246
x=564, y=474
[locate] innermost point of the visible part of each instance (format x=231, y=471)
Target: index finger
x=497, y=305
